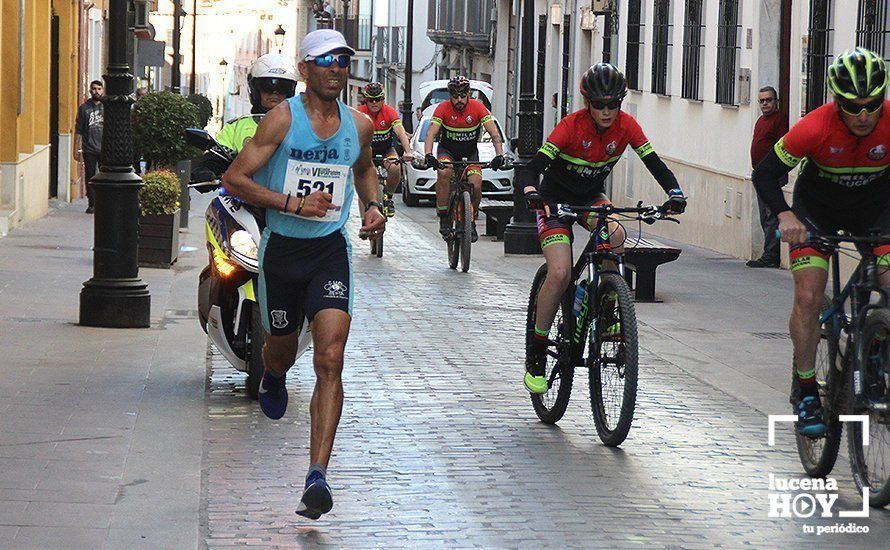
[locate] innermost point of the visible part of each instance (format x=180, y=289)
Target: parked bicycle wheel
x=454, y=241
x=818, y=455
x=551, y=405
x=870, y=463
x=466, y=230
x=613, y=360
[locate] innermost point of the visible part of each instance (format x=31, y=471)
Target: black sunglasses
x=855, y=109
x=611, y=105
x=328, y=59
x=273, y=85
x=460, y=95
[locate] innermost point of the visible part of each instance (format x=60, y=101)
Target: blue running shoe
x=809, y=416
x=317, y=498
x=273, y=396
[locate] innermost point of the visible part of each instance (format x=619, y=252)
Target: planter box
x=158, y=240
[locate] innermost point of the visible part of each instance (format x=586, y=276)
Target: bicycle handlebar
x=648, y=213
x=834, y=240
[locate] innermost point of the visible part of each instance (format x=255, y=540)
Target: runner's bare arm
x=238, y=179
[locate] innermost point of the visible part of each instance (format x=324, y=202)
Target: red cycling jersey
x=840, y=172
x=460, y=129
x=582, y=157
x=385, y=120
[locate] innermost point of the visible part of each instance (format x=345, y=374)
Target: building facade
x=694, y=68
x=39, y=96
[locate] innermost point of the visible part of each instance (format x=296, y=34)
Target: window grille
x=693, y=44
x=871, y=26
x=635, y=27
x=661, y=46
x=819, y=54
x=727, y=50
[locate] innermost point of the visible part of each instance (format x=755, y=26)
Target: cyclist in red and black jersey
x=461, y=118
x=575, y=160
x=844, y=183
x=387, y=124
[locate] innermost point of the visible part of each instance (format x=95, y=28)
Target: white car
x=421, y=183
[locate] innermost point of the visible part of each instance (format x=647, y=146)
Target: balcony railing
x=357, y=31
x=465, y=23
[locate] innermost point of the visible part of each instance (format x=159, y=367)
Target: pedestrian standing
x=88, y=136
x=305, y=266
x=418, y=113
x=770, y=127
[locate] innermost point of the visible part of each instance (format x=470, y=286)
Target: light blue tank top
x=298, y=161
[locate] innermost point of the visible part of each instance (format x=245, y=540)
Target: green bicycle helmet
x=858, y=73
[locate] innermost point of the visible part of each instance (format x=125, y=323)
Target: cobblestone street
x=439, y=445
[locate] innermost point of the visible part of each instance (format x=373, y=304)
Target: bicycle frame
x=859, y=286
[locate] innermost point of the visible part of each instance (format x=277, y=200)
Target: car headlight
x=243, y=244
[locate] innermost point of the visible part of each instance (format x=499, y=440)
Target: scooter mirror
x=199, y=138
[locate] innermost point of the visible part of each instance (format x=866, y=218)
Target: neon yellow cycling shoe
x=535, y=384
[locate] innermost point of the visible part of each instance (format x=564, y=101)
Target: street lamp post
x=115, y=296
x=279, y=37
x=177, y=30
x=223, y=71
x=407, y=107
x=521, y=235
x=194, y=35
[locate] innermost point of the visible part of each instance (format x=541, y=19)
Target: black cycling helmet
x=603, y=82
x=458, y=85
x=373, y=90
x=858, y=73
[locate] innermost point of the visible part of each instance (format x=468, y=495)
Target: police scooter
x=228, y=308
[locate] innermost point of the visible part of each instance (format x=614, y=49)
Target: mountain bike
x=380, y=164
x=853, y=373
x=595, y=328
x=461, y=213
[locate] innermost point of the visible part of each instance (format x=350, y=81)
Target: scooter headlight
x=243, y=244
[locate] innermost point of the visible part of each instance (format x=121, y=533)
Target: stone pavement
x=133, y=438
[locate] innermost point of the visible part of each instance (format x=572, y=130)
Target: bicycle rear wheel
x=466, y=229
x=613, y=360
x=550, y=406
x=818, y=455
x=378, y=247
x=870, y=463
x=453, y=241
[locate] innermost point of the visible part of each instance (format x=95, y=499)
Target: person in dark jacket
x=770, y=127
x=88, y=136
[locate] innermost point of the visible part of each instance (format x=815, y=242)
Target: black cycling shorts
x=384, y=149
x=300, y=277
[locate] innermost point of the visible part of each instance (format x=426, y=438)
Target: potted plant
x=159, y=219
x=159, y=123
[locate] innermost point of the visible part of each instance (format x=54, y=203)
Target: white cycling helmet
x=272, y=71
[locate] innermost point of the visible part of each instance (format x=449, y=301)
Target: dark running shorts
x=300, y=277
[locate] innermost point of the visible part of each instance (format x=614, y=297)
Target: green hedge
x=159, y=123
x=205, y=108
x=159, y=194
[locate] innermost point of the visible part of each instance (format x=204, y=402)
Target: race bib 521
x=304, y=178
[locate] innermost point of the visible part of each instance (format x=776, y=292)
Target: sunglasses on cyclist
x=460, y=95
x=273, y=85
x=855, y=109
x=374, y=99
x=328, y=59
x=611, y=105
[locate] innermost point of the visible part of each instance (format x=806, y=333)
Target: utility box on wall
x=744, y=86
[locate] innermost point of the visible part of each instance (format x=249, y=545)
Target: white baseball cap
x=323, y=41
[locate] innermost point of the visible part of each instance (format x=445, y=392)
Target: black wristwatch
x=377, y=204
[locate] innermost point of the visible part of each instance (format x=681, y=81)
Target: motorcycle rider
x=272, y=79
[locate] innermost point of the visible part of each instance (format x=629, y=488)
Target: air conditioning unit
x=602, y=7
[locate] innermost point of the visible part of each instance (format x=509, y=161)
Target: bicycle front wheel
x=871, y=463
x=613, y=360
x=466, y=230
x=378, y=248
x=818, y=454
x=551, y=405
x=453, y=240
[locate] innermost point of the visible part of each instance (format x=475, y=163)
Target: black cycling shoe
x=809, y=414
x=445, y=228
x=475, y=236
